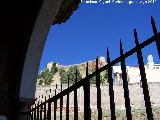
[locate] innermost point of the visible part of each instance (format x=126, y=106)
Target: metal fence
x=43, y=110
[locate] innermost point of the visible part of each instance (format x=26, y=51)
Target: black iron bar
x=45, y=109
x=55, y=105
x=156, y=34
x=125, y=85
x=67, y=103
x=75, y=100
x=99, y=108
x=32, y=112
x=86, y=87
x=143, y=79
x=35, y=117
x=38, y=111
x=32, y=115
x=41, y=111
x=111, y=91
x=49, y=111
x=61, y=104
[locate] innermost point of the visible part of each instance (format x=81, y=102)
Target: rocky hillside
x=54, y=73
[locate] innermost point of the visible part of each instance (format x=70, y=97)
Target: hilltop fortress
x=152, y=70
x=82, y=66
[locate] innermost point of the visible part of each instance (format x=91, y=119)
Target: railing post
x=87, y=109
x=45, y=109
x=35, y=117
x=98, y=91
x=31, y=109
x=143, y=79
x=55, y=105
x=125, y=85
x=67, y=104
x=75, y=100
x=41, y=110
x=49, y=111
x=29, y=113
x=32, y=115
x=42, y=97
x=50, y=93
x=111, y=91
x=155, y=34
x=38, y=111
x=61, y=104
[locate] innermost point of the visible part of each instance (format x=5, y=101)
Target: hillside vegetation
x=54, y=73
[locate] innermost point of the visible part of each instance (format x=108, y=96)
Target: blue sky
x=93, y=27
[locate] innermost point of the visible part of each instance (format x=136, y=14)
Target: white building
x=133, y=73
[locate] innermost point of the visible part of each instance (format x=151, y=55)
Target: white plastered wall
x=35, y=49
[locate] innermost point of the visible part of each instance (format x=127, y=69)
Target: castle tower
x=150, y=63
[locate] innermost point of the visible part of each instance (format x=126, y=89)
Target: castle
x=152, y=70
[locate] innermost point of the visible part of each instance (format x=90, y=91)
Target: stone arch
x=35, y=48
x=38, y=37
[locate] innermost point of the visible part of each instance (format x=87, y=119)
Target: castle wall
x=133, y=75
x=152, y=75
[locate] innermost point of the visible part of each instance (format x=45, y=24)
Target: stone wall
x=136, y=96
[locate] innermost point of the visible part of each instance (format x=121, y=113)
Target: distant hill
x=54, y=73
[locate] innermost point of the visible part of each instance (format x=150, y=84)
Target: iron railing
x=43, y=110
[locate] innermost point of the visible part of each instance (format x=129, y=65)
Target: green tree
x=64, y=75
x=103, y=77
x=54, y=68
x=71, y=73
x=46, y=75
